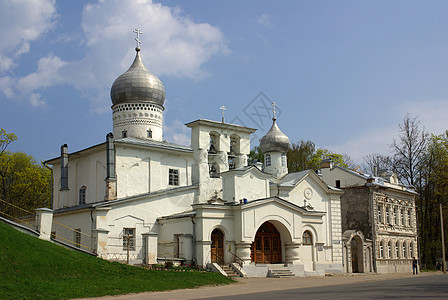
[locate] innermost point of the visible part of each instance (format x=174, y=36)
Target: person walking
x=414, y=266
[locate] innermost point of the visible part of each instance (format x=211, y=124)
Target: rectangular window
x=409, y=217
x=173, y=177
x=129, y=238
x=380, y=216
x=387, y=215
x=78, y=238
x=402, y=217
x=395, y=216
x=82, y=195
x=381, y=250
x=338, y=184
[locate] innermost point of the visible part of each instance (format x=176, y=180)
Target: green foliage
x=305, y=156
x=5, y=140
x=36, y=269
x=23, y=181
x=256, y=154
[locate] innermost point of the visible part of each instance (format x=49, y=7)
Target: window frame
x=126, y=232
x=173, y=177
x=82, y=195
x=307, y=238
x=268, y=160
x=77, y=238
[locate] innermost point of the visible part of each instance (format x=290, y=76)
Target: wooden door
x=266, y=248
x=217, y=247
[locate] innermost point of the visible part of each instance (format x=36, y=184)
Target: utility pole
x=443, y=241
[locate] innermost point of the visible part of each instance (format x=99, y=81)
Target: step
x=280, y=273
x=229, y=271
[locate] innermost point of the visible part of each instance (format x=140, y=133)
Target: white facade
x=150, y=201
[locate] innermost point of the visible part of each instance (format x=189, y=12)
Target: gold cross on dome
x=138, y=32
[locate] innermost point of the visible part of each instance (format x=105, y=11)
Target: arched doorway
x=217, y=247
x=357, y=255
x=267, y=247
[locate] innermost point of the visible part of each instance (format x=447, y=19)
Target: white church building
x=141, y=197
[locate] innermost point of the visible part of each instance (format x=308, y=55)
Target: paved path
x=257, y=285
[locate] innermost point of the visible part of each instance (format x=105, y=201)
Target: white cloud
x=375, y=140
x=23, y=21
x=177, y=133
x=265, y=19
x=172, y=44
x=432, y=114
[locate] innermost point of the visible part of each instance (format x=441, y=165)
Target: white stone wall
x=144, y=170
x=87, y=169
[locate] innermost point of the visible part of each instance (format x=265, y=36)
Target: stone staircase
x=229, y=271
x=280, y=272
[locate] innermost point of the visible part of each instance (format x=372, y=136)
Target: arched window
x=268, y=160
x=409, y=217
x=307, y=238
x=149, y=133
x=382, y=249
x=283, y=159
x=404, y=249
x=124, y=134
x=402, y=217
x=411, y=249
x=82, y=195
x=389, y=249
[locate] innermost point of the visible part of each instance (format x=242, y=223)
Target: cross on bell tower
x=223, y=108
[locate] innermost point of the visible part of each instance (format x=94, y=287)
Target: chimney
x=327, y=163
x=375, y=171
x=64, y=167
x=110, y=156
x=111, y=181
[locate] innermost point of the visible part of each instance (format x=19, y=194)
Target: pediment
x=249, y=170
x=288, y=206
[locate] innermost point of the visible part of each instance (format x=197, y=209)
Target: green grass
x=34, y=269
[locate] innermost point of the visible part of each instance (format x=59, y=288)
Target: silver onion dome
x=137, y=84
x=275, y=140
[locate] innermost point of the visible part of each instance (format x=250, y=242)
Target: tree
x=409, y=150
x=256, y=155
x=23, y=182
x=5, y=140
x=378, y=160
x=305, y=156
x=300, y=156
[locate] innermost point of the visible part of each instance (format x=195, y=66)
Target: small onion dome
x=275, y=140
x=137, y=84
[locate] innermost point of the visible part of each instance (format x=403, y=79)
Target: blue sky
x=343, y=73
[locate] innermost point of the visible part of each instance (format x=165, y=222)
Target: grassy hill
x=34, y=269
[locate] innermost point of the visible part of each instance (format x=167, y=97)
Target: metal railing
x=17, y=214
x=219, y=260
x=238, y=260
x=74, y=237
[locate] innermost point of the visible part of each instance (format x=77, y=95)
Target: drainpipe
x=194, y=240
x=51, y=184
x=64, y=167
x=372, y=190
